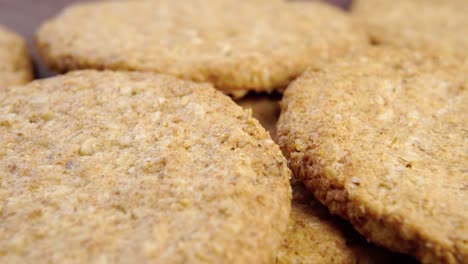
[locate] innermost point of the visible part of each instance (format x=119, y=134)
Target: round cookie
x=136, y=167
x=381, y=139
x=315, y=236
x=236, y=45
x=15, y=65
x=428, y=25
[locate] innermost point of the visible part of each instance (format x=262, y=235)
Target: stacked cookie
x=136, y=155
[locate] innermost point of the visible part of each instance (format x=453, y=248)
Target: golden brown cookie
x=427, y=25
x=15, y=65
x=380, y=138
x=134, y=167
x=315, y=236
x=238, y=46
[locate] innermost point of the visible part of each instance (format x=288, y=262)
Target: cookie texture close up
x=238, y=46
x=313, y=234
x=316, y=236
x=380, y=138
x=436, y=26
x=136, y=167
x=15, y=65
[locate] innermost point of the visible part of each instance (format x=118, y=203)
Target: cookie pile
x=137, y=154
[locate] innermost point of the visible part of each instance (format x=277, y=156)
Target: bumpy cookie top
x=134, y=167
x=429, y=25
x=15, y=67
x=313, y=234
x=236, y=45
x=381, y=139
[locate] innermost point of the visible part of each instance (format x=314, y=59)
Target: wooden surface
x=25, y=16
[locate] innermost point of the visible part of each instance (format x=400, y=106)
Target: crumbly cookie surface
x=236, y=45
x=15, y=65
x=381, y=139
x=315, y=236
x=429, y=25
x=134, y=167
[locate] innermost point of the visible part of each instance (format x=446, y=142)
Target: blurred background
x=25, y=16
